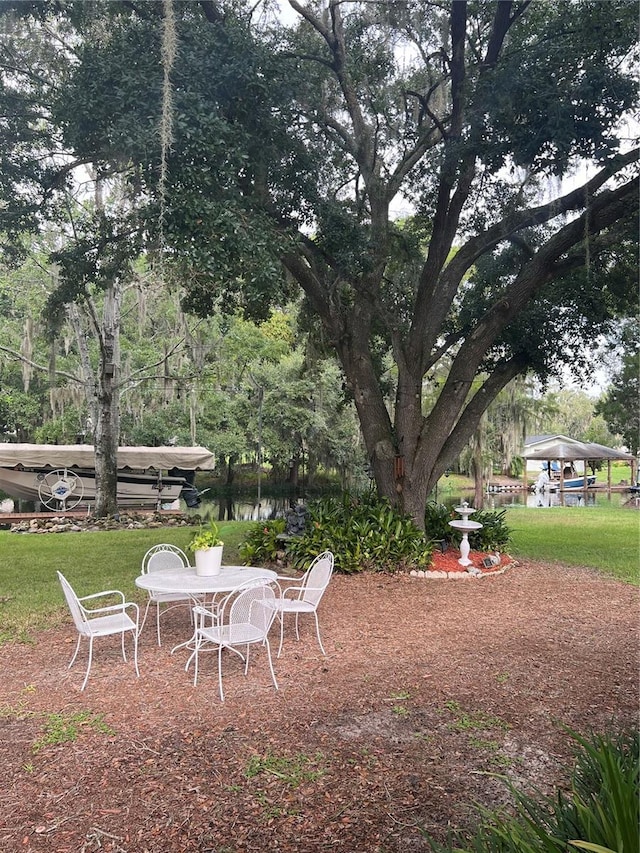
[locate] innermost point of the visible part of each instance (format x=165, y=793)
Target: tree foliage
x=620, y=406
x=292, y=146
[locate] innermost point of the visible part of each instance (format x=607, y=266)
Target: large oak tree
x=293, y=147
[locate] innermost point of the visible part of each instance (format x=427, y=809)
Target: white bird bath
x=465, y=527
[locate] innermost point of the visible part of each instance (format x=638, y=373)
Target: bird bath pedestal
x=465, y=527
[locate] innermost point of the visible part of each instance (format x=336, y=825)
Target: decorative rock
x=493, y=574
x=128, y=521
x=473, y=573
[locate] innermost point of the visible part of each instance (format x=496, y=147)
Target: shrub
x=364, y=533
x=436, y=522
x=600, y=812
x=493, y=535
x=261, y=545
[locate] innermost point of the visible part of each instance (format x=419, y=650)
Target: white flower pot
x=209, y=560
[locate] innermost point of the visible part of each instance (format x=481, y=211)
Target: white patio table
x=188, y=582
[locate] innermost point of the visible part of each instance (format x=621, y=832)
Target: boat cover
x=571, y=449
x=83, y=456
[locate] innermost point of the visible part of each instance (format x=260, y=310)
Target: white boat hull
x=570, y=484
x=64, y=476
x=133, y=489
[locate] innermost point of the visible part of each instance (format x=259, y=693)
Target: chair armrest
x=200, y=614
x=286, y=589
x=112, y=608
x=103, y=594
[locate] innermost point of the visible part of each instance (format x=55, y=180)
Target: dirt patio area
x=429, y=689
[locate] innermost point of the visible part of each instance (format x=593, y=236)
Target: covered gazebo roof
x=568, y=449
x=559, y=448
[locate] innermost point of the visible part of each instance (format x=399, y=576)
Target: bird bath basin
x=465, y=526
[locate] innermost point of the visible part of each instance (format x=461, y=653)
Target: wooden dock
x=508, y=487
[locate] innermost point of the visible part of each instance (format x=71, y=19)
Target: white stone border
x=471, y=572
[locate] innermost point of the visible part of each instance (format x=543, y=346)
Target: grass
x=619, y=471
x=606, y=538
x=66, y=727
x=30, y=595
x=292, y=771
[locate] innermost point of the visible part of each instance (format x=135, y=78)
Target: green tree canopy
x=291, y=148
x=620, y=406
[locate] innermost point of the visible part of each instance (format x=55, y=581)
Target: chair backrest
x=249, y=606
x=317, y=578
x=164, y=556
x=75, y=607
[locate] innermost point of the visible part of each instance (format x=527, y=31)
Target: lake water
x=501, y=500
x=243, y=508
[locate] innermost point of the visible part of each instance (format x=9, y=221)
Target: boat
x=568, y=483
x=63, y=477
x=575, y=483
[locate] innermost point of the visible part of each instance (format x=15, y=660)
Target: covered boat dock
x=565, y=451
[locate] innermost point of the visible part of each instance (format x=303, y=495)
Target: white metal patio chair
x=305, y=595
x=103, y=621
x=158, y=558
x=243, y=618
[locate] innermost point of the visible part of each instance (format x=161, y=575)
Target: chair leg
x=273, y=675
x=86, y=677
x=75, y=654
x=124, y=651
x=281, y=617
x=194, y=656
x=135, y=651
x=220, y=672
x=158, y=622
x=318, y=633
x=297, y=631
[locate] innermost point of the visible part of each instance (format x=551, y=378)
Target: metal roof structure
x=569, y=450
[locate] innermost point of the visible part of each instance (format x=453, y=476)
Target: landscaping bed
x=428, y=693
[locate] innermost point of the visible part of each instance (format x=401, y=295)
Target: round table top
x=186, y=580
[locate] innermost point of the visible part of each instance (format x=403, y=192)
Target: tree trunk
x=231, y=460
x=107, y=432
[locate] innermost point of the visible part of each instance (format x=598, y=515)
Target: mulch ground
x=429, y=689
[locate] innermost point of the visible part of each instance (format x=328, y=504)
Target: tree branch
x=212, y=12
x=468, y=420
x=437, y=292
x=546, y=265
x=44, y=368
x=501, y=22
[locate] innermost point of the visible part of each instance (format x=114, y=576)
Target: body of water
x=242, y=508
x=549, y=500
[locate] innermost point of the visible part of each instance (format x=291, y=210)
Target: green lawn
x=606, y=538
x=619, y=471
x=29, y=588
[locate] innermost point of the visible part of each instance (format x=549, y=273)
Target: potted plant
x=207, y=548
